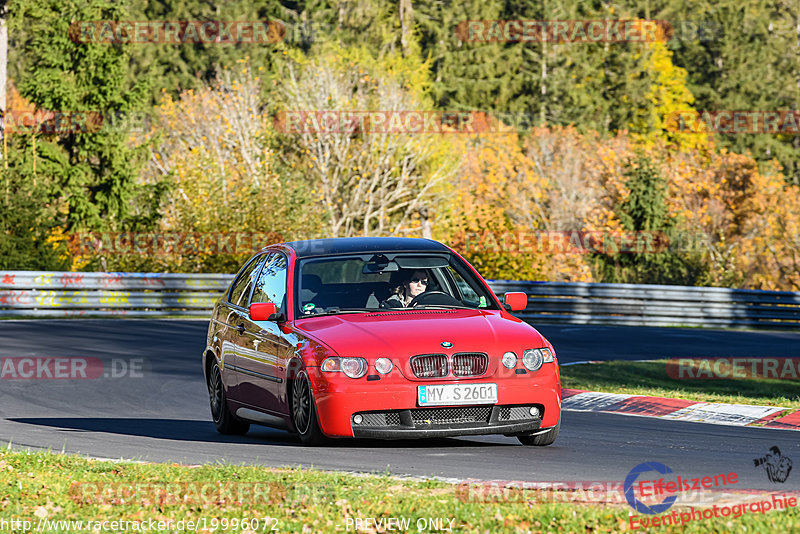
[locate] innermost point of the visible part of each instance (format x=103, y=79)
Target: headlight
x=532, y=359
x=352, y=367
x=510, y=360
x=383, y=365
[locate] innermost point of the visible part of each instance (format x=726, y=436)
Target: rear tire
x=304, y=411
x=543, y=439
x=224, y=420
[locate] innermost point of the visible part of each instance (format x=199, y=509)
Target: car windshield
x=382, y=282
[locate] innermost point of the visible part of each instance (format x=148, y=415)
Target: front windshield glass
x=385, y=282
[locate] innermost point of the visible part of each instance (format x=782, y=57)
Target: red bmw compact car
x=376, y=338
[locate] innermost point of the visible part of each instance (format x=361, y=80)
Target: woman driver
x=403, y=294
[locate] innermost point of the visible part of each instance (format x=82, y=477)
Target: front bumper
x=445, y=422
x=339, y=399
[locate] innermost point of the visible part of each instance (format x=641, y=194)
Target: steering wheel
x=433, y=297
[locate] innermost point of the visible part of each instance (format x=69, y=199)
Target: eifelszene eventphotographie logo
x=629, y=486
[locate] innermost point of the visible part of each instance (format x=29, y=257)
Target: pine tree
x=28, y=220
x=741, y=56
x=93, y=171
x=644, y=214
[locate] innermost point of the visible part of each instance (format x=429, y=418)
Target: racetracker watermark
x=577, y=242
x=510, y=491
x=735, y=122
x=586, y=31
x=563, y=31
x=52, y=122
x=177, y=31
x=402, y=122
x=161, y=244
x=173, y=493
x=200, y=524
x=74, y=122
x=70, y=368
x=733, y=368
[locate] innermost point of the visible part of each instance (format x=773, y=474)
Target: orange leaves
x=742, y=221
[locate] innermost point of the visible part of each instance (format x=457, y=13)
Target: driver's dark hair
x=398, y=290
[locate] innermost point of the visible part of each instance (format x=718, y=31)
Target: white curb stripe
x=593, y=401
x=723, y=414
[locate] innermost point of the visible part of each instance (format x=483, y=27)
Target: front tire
x=304, y=411
x=224, y=420
x=543, y=439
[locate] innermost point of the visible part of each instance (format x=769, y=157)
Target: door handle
x=240, y=328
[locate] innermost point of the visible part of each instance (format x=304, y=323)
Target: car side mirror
x=515, y=301
x=264, y=311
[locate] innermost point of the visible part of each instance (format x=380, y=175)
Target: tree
x=742, y=57
x=367, y=181
x=177, y=67
x=645, y=210
x=29, y=215
x=215, y=147
x=94, y=171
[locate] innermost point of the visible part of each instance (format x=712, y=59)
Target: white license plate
x=457, y=394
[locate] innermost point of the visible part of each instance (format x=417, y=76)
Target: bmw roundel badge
x=446, y=344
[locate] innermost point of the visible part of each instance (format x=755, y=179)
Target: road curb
x=776, y=417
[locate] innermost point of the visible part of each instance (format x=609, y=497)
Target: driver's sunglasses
x=423, y=281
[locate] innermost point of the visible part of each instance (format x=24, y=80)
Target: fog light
x=357, y=419
x=534, y=411
x=510, y=360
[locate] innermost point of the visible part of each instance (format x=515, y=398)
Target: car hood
x=407, y=333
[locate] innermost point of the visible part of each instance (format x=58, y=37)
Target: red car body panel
x=398, y=335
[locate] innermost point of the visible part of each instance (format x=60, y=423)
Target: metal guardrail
x=656, y=305
x=64, y=294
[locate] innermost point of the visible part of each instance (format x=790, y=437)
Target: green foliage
x=407, y=55
x=27, y=222
x=744, y=57
x=94, y=171
x=645, y=212
x=177, y=67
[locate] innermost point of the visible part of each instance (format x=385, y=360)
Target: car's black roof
x=355, y=245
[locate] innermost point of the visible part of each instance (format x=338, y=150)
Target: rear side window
x=243, y=285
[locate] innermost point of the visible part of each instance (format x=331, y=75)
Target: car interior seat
x=310, y=287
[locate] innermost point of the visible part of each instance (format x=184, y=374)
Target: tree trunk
x=3, y=62
x=406, y=25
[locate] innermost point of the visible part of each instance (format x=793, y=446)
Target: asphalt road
x=157, y=409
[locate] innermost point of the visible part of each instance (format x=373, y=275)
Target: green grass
x=36, y=485
x=650, y=378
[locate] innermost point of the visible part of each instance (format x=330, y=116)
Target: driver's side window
x=243, y=286
x=271, y=283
